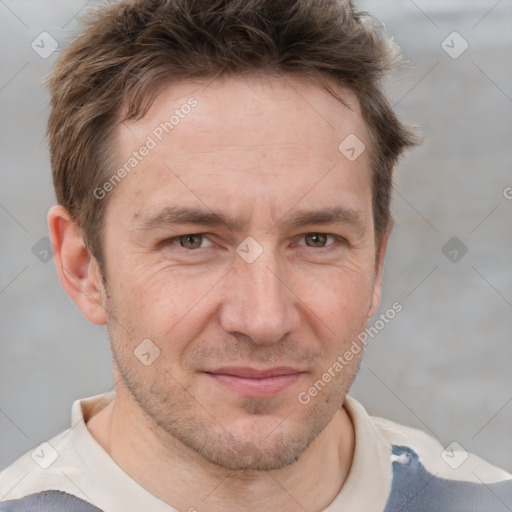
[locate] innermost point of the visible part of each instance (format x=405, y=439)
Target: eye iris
x=190, y=241
x=194, y=241
x=318, y=239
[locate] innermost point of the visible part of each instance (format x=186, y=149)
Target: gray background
x=442, y=365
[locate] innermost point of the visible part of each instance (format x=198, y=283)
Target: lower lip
x=268, y=386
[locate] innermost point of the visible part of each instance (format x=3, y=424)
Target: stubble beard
x=170, y=407
x=177, y=413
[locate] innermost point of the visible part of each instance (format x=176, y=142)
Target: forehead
x=242, y=141
x=230, y=102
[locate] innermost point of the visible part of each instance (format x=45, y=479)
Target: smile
x=256, y=383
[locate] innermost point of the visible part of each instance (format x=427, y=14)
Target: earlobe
x=77, y=268
x=379, y=267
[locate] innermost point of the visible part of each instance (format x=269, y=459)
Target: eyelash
x=333, y=245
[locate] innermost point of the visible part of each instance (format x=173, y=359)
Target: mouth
x=257, y=383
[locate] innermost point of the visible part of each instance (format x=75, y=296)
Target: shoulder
x=48, y=501
x=41, y=481
x=48, y=477
x=57, y=469
x=41, y=475
x=428, y=476
x=452, y=462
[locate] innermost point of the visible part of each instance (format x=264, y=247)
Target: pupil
x=189, y=241
x=318, y=239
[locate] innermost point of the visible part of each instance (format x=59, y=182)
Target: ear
x=379, y=267
x=77, y=268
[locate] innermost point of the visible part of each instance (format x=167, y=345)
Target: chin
x=252, y=442
x=240, y=455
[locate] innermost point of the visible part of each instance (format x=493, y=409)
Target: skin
x=256, y=150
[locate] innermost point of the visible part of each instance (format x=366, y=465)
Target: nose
x=258, y=300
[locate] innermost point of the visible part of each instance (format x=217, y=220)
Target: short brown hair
x=114, y=68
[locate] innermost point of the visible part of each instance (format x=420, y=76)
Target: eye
x=200, y=241
x=191, y=241
x=318, y=240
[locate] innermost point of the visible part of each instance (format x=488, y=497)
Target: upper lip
x=254, y=373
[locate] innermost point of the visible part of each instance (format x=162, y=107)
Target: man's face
x=248, y=314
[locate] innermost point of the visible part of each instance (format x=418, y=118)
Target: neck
x=185, y=480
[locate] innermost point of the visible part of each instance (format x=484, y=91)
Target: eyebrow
x=175, y=215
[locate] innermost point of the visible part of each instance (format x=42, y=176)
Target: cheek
x=337, y=308
x=343, y=311
x=163, y=305
x=340, y=293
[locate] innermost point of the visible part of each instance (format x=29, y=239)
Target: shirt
x=395, y=468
